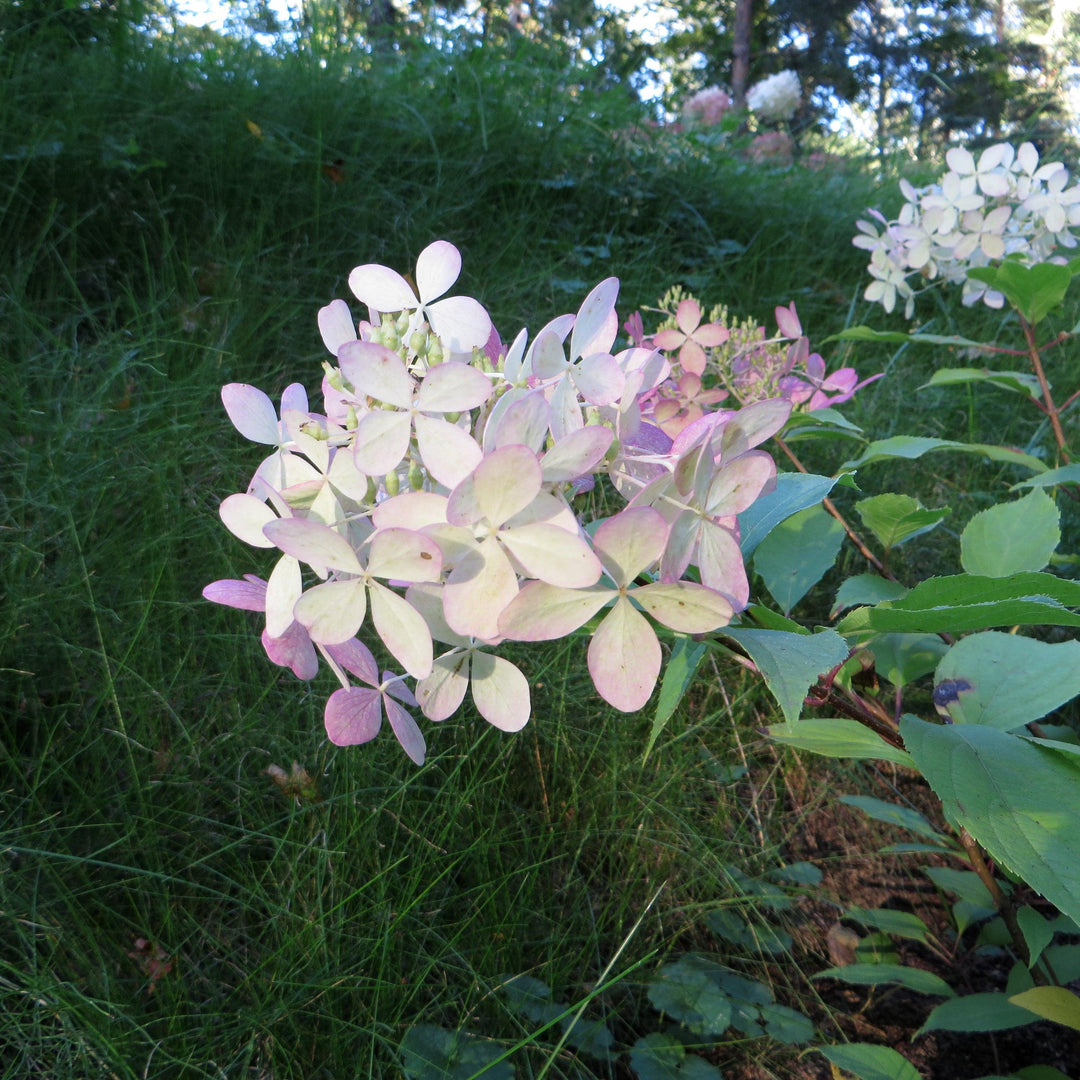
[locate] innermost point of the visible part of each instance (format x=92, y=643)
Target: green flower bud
x=416, y=476
x=391, y=483
x=418, y=342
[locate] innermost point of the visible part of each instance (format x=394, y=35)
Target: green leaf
x=866, y=589
x=1051, y=1003
x=1021, y=382
x=894, y=518
x=686, y=657
x=975, y=904
x=793, y=558
x=758, y=616
x=790, y=663
x=976, y=1012
x=1033, y=290
x=898, y=337
x=1011, y=538
x=752, y=936
x=1066, y=474
x=891, y=814
x=1020, y=801
x=530, y=998
x=840, y=738
x=687, y=992
x=433, y=1053
x=661, y=1057
x=1005, y=681
x=923, y=982
x=897, y=923
x=1041, y=1072
x=1065, y=960
x=793, y=492
x=786, y=1025
x=592, y=1038
x=869, y=1062
x=911, y=447
x=1038, y=933
x=968, y=602
x=797, y=874
x=903, y=658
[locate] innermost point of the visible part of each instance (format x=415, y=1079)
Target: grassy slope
x=155, y=246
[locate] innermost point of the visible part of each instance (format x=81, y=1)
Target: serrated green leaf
x=1038, y=933
x=786, y=1025
x=898, y=337
x=966, y=602
x=686, y=657
x=923, y=982
x=866, y=589
x=790, y=663
x=976, y=1012
x=1021, y=802
x=1020, y=382
x=894, y=518
x=1066, y=474
x=753, y=936
x=592, y=1038
x=892, y=814
x=869, y=1062
x=911, y=447
x=1033, y=290
x=903, y=658
x=793, y=492
x=794, y=557
x=1004, y=680
x=429, y=1052
x=660, y=1057
x=840, y=738
x=902, y=924
x=687, y=991
x=1011, y=538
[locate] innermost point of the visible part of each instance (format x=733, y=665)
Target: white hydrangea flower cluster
x=1004, y=205
x=776, y=97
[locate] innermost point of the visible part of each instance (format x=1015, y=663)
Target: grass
x=169, y=226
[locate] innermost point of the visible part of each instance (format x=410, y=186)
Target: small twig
x=1001, y=901
x=1051, y=410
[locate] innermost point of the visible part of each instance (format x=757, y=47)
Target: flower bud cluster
x=1005, y=205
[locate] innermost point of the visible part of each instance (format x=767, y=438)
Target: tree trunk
x=740, y=52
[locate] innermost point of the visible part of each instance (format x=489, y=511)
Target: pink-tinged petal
x=376, y=372
x=477, y=590
x=624, y=658
x=739, y=483
x=682, y=541
x=355, y=657
x=692, y=358
x=550, y=553
x=406, y=730
x=542, y=612
x=504, y=483
x=449, y=453
x=546, y=507
x=630, y=542
x=753, y=424
x=576, y=454
x=381, y=288
x=460, y=322
x=247, y=595
x=396, y=688
x=437, y=268
x=411, y=510
x=720, y=562
x=282, y=591
x=353, y=716
x=600, y=379
x=787, y=321
x=596, y=323
x=403, y=631
x=294, y=399
x=381, y=441
x=565, y=410
x=332, y=612
x=711, y=334
x=427, y=598
x=293, y=650
x=685, y=606
x=317, y=545
x=345, y=477
x=336, y=325
x=547, y=358
x=245, y=516
x=453, y=387
x=688, y=315
x=252, y=413
x=443, y=691
x=500, y=692
x=524, y=421
x=404, y=555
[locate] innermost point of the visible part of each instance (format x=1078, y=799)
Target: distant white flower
x=776, y=97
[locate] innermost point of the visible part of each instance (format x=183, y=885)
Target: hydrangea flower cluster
x=706, y=108
x=430, y=504
x=1004, y=205
x=775, y=97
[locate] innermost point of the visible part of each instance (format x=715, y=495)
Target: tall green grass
x=168, y=226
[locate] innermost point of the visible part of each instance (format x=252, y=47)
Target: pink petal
x=437, y=268
x=552, y=554
x=721, y=565
x=565, y=410
x=624, y=658
x=692, y=358
x=596, y=324
x=576, y=454
x=449, y=453
x=754, y=424
x=787, y=321
x=460, y=322
x=353, y=716
x=317, y=545
x=247, y=595
x=376, y=372
x=630, y=542
x=685, y=606
x=737, y=485
x=381, y=441
x=355, y=657
x=332, y=612
x=406, y=730
x=282, y=591
x=542, y=612
x=524, y=421
x=293, y=650
x=505, y=482
x=382, y=289
x=403, y=631
x=688, y=315
x=403, y=555
x=336, y=325
x=547, y=358
x=477, y=590
x=427, y=598
x=599, y=379
x=443, y=691
x=500, y=692
x=252, y=413
x=411, y=510
x=669, y=338
x=245, y=517
x=453, y=387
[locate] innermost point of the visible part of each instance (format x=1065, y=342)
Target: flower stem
x=1050, y=408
